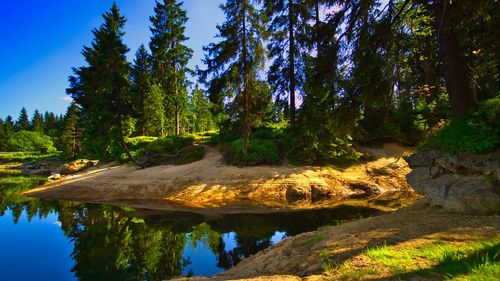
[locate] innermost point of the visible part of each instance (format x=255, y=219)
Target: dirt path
x=300, y=257
x=210, y=184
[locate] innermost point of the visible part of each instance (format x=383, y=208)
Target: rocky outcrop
x=54, y=169
x=468, y=183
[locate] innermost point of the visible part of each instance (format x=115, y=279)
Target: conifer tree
x=285, y=50
x=140, y=77
x=23, y=122
x=50, y=123
x=101, y=89
x=37, y=122
x=154, y=113
x=170, y=56
x=234, y=64
x=70, y=136
x=200, y=107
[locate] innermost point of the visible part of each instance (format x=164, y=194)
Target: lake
x=59, y=240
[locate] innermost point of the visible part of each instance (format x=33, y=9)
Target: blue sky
x=42, y=40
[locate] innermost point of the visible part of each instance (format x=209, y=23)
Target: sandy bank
x=210, y=184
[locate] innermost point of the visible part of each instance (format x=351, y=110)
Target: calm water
x=56, y=240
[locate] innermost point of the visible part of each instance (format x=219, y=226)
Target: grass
x=479, y=260
x=13, y=181
x=16, y=157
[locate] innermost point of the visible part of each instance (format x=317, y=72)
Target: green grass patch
x=16, y=157
x=13, y=181
x=458, y=261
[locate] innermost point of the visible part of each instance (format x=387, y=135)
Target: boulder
x=467, y=183
x=298, y=192
x=77, y=166
x=54, y=177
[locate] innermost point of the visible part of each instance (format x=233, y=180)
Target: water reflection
x=112, y=243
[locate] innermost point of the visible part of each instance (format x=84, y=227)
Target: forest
x=304, y=79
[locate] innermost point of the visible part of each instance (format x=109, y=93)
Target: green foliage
x=136, y=143
x=268, y=133
x=170, y=143
x=154, y=112
x=30, y=141
x=259, y=152
x=476, y=132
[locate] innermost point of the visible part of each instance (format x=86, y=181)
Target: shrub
x=170, y=143
x=259, y=152
x=268, y=133
x=476, y=132
x=139, y=142
x=30, y=141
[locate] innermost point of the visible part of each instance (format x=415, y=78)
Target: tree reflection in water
x=120, y=243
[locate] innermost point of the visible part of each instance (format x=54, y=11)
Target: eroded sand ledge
x=211, y=185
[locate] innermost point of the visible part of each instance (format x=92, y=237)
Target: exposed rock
x=320, y=192
x=462, y=183
x=54, y=177
x=77, y=166
x=298, y=192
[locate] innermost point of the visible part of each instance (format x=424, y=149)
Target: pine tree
x=70, y=136
x=285, y=72
x=101, y=89
x=234, y=64
x=37, y=122
x=50, y=123
x=200, y=108
x=170, y=56
x=140, y=77
x=23, y=122
x=154, y=113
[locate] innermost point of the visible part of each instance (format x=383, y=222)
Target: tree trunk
x=246, y=120
x=457, y=83
x=291, y=60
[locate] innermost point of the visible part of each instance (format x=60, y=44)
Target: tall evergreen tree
x=284, y=48
x=201, y=115
x=234, y=64
x=50, y=124
x=101, y=89
x=23, y=122
x=37, y=122
x=170, y=56
x=140, y=77
x=70, y=136
x=154, y=113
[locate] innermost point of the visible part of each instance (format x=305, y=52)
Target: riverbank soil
x=363, y=249
x=209, y=184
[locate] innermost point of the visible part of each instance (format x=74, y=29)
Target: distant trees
x=23, y=122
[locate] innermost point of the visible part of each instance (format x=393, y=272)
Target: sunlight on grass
x=452, y=261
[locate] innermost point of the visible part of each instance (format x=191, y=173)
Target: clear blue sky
x=41, y=40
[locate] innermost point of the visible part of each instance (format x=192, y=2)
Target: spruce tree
x=140, y=77
x=200, y=107
x=37, y=122
x=70, y=136
x=234, y=64
x=23, y=122
x=101, y=89
x=170, y=56
x=154, y=113
x=50, y=124
x=284, y=49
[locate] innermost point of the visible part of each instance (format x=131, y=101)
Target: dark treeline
x=340, y=72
